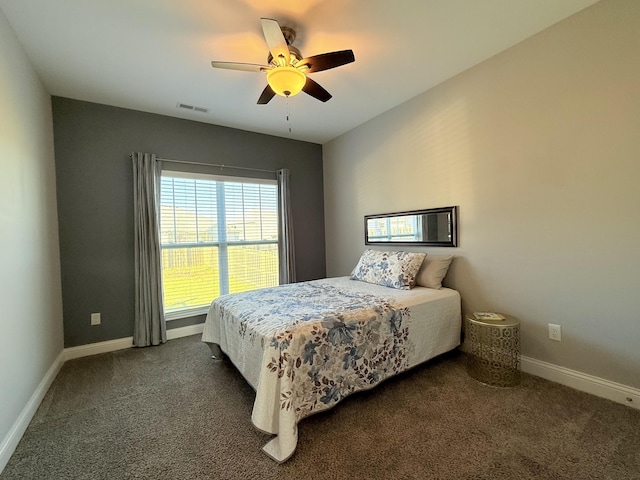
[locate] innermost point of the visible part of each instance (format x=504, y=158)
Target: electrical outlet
x=95, y=319
x=555, y=332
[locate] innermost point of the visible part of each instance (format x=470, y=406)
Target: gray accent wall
x=95, y=201
x=539, y=146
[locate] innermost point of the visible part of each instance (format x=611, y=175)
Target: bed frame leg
x=216, y=353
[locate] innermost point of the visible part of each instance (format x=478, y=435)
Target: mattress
x=305, y=346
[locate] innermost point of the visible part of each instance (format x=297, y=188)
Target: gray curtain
x=285, y=230
x=149, y=326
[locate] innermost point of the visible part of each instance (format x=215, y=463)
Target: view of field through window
x=217, y=237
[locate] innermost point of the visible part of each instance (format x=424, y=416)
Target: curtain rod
x=215, y=165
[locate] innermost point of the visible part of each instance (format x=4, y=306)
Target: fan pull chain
x=288, y=114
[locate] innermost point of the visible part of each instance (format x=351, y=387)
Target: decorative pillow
x=433, y=270
x=390, y=269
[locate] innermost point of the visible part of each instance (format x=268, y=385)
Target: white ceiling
x=149, y=55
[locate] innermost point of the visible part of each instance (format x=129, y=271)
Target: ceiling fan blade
x=245, y=67
x=267, y=95
x=325, y=61
x=275, y=41
x=315, y=90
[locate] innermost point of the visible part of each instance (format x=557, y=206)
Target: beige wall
x=30, y=297
x=540, y=148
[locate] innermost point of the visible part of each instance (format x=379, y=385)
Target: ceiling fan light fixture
x=286, y=68
x=286, y=81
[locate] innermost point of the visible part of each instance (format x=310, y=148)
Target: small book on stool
x=488, y=316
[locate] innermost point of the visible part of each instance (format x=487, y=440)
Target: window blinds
x=217, y=237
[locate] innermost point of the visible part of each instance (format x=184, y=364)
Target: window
x=218, y=235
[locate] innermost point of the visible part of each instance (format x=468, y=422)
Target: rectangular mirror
x=436, y=227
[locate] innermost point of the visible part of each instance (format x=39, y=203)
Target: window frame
x=222, y=243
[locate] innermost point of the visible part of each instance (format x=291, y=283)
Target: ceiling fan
x=286, y=68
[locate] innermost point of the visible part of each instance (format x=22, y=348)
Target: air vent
x=193, y=108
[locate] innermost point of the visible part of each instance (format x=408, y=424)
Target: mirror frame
x=453, y=215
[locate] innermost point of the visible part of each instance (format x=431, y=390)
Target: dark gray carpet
x=171, y=412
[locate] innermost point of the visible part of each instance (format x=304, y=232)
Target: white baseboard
x=96, y=348
x=10, y=442
x=582, y=381
x=185, y=331
x=127, y=342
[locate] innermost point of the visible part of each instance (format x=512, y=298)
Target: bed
x=305, y=346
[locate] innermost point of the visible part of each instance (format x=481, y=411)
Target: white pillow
x=433, y=270
x=390, y=269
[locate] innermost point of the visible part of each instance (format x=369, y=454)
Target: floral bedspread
x=306, y=346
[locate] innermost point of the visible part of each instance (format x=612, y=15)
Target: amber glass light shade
x=286, y=81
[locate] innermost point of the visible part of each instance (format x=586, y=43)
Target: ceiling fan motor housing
x=289, y=34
